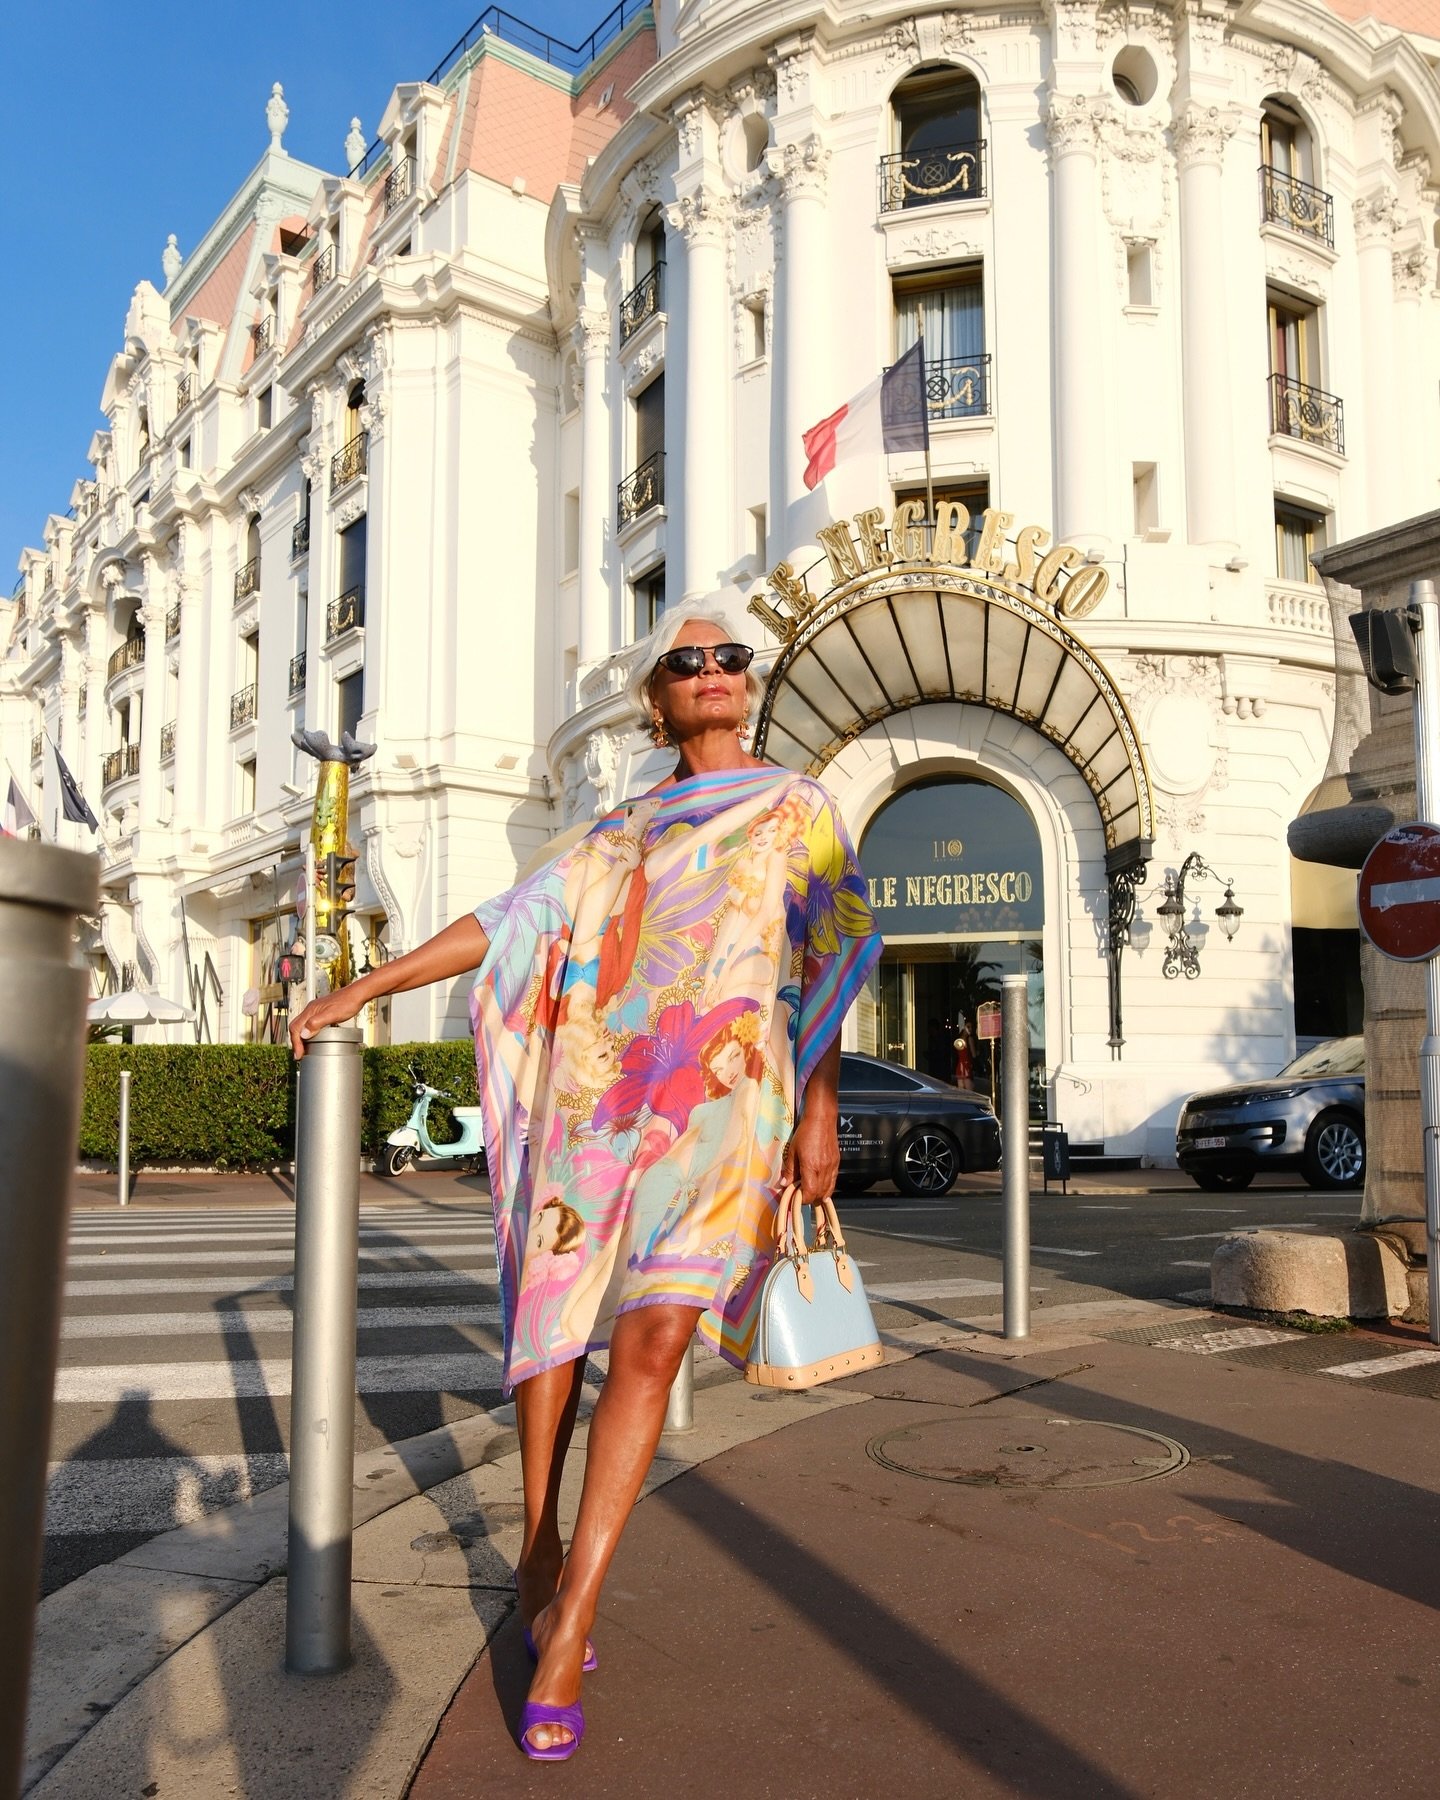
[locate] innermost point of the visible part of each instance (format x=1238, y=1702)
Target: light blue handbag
x=815, y=1322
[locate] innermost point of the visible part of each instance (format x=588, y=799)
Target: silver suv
x=1310, y=1116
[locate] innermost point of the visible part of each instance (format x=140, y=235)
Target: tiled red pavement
x=792, y=1619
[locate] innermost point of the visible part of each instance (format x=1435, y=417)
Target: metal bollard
x=322, y=1389
x=122, y=1157
x=680, y=1403
x=42, y=889
x=1015, y=1154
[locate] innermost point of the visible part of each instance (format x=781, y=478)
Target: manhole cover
x=989, y=1450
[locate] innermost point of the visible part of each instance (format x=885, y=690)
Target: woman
x=965, y=1056
x=656, y=1017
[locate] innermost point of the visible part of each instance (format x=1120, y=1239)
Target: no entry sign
x=1400, y=893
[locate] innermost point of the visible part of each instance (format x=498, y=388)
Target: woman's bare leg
x=545, y=1409
x=646, y=1347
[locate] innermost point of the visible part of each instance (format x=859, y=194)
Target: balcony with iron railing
x=120, y=763
x=399, y=183
x=247, y=579
x=172, y=623
x=300, y=538
x=1297, y=206
x=645, y=301
x=297, y=674
x=957, y=387
x=910, y=178
x=1307, y=413
x=640, y=491
x=37, y=744
x=323, y=273
x=167, y=740
x=131, y=652
x=242, y=707
x=82, y=703
x=350, y=462
x=184, y=391
x=345, y=614
x=262, y=335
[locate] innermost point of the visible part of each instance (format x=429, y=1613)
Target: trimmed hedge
x=232, y=1106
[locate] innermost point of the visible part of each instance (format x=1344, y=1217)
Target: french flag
x=889, y=414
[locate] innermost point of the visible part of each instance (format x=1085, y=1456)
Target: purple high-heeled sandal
x=535, y=1713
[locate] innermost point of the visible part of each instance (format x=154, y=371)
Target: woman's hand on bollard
x=337, y=1008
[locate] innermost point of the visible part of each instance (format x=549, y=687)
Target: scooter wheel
x=397, y=1158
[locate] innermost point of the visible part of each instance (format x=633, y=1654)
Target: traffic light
x=339, y=890
x=1385, y=637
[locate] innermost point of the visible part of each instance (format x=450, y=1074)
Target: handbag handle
x=789, y=1232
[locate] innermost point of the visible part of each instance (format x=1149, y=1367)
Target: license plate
x=1211, y=1143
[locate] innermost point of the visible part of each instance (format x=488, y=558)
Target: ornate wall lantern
x=1182, y=952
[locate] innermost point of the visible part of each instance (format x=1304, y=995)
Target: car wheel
x=1222, y=1181
x=1335, y=1151
x=926, y=1163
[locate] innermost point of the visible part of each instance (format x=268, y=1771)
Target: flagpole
x=925, y=419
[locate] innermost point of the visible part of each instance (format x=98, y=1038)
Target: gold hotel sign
x=910, y=615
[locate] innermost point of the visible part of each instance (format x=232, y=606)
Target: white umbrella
x=131, y=1007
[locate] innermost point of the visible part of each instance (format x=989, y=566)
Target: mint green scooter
x=410, y=1141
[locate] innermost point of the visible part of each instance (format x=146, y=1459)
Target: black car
x=1310, y=1116
x=920, y=1133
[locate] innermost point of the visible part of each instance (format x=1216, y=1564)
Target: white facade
x=454, y=344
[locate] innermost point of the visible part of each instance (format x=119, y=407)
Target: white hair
x=647, y=653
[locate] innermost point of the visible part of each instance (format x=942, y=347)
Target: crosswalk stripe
x=269, y=1378
x=957, y=1287
x=153, y=1493
x=1384, y=1365
x=368, y=1234
x=276, y=1319
x=171, y=1257
x=269, y=1284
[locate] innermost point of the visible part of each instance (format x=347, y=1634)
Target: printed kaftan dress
x=650, y=1009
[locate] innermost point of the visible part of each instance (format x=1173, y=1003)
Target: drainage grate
x=1214, y=1343
x=1017, y=1450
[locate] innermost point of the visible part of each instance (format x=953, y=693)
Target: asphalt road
x=173, y=1389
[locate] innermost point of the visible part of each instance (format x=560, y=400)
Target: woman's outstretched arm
x=453, y=951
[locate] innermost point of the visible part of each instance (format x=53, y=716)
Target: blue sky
x=138, y=120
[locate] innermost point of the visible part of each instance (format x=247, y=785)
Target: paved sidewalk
x=901, y=1582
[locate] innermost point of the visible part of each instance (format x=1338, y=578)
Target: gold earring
x=742, y=730
x=659, y=732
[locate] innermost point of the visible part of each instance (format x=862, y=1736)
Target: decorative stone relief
x=702, y=217
x=934, y=242
x=1074, y=25
x=349, y=511
x=1201, y=134
x=644, y=362
x=601, y=761
x=277, y=116
x=792, y=76
x=1411, y=269
x=1377, y=218
x=373, y=414
x=689, y=115
x=249, y=501
x=403, y=842
x=171, y=261
x=1299, y=272
x=800, y=168
x=755, y=85
x=1072, y=124
x=593, y=329
x=957, y=33
x=902, y=44
x=247, y=620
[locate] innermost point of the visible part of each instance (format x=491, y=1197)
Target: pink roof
x=1422, y=16
x=215, y=298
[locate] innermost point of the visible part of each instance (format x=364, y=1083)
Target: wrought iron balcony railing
x=350, y=462
x=297, y=674
x=641, y=490
x=172, y=623
x=1307, y=413
x=167, y=740
x=323, y=272
x=90, y=501
x=247, y=579
x=132, y=759
x=82, y=703
x=399, y=183
x=242, y=707
x=132, y=651
x=262, y=335
x=646, y=300
x=345, y=614
x=958, y=387
x=300, y=538
x=184, y=391
x=112, y=768
x=37, y=744
x=1297, y=206
x=926, y=177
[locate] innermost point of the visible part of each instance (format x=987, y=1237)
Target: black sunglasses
x=689, y=659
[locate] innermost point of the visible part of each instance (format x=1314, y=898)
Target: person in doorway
x=649, y=1095
x=965, y=1056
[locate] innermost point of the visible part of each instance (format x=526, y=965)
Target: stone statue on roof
x=277, y=116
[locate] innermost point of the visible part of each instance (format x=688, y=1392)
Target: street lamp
x=1182, y=952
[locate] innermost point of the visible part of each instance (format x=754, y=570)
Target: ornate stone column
x=192, y=676
x=1201, y=133
x=1411, y=269
x=702, y=220
x=1081, y=450
x=596, y=486
x=801, y=359
x=1377, y=218
x=152, y=694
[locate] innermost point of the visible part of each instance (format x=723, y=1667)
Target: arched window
x=1290, y=190
x=650, y=243
x=647, y=298
x=938, y=150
